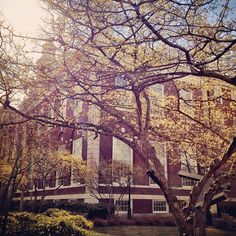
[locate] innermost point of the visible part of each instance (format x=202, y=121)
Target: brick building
x=146, y=196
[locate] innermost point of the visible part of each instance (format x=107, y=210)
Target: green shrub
x=58, y=225
x=97, y=211
x=55, y=212
x=20, y=222
x=79, y=207
x=13, y=225
x=91, y=211
x=52, y=222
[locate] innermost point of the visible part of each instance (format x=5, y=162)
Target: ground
x=149, y=231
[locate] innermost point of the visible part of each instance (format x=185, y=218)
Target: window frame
x=80, y=140
x=166, y=210
x=59, y=179
x=153, y=100
x=126, y=206
x=127, y=164
x=193, y=167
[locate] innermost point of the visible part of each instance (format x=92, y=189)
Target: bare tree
x=109, y=182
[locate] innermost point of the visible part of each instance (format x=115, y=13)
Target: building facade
x=63, y=184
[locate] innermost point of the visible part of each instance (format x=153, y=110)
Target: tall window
x=233, y=97
x=160, y=149
x=77, y=152
x=76, y=106
x=123, y=99
x=60, y=173
x=218, y=95
x=188, y=164
x=157, y=98
x=63, y=108
x=206, y=102
x=186, y=101
x=121, y=152
x=51, y=112
x=122, y=157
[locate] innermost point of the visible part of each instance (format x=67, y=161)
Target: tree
x=13, y=164
x=125, y=41
x=116, y=178
x=48, y=167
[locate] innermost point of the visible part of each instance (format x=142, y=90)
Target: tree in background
x=13, y=165
x=116, y=178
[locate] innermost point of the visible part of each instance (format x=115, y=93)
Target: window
x=159, y=89
x=77, y=147
x=123, y=99
x=60, y=178
x=50, y=179
x=38, y=129
x=159, y=206
x=47, y=181
x=59, y=173
x=218, y=95
x=188, y=164
x=206, y=97
x=160, y=149
x=186, y=101
x=51, y=110
x=120, y=81
x=77, y=152
x=122, y=205
x=186, y=96
x=121, y=152
x=157, y=98
x=76, y=106
x=121, y=158
x=30, y=183
x=187, y=182
x=63, y=108
x=233, y=95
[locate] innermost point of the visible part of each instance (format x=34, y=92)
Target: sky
x=23, y=15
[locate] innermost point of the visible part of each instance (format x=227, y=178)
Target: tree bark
x=184, y=228
x=202, y=222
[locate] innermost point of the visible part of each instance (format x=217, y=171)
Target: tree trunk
x=202, y=222
x=4, y=216
x=21, y=207
x=184, y=228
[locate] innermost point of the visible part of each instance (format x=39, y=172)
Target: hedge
x=52, y=222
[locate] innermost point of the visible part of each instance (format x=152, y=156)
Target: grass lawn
x=149, y=231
